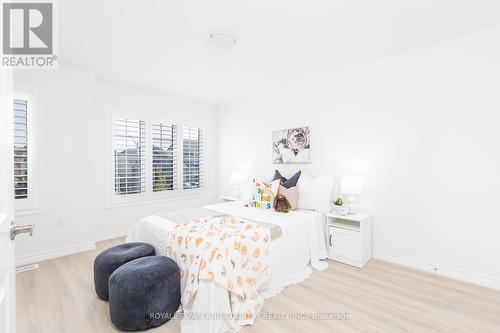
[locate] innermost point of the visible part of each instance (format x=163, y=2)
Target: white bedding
x=300, y=247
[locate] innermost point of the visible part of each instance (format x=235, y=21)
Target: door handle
x=21, y=229
x=330, y=240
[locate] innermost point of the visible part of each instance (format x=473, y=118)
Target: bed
x=298, y=249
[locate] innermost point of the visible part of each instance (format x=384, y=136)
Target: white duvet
x=300, y=247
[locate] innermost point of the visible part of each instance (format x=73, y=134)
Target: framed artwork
x=292, y=146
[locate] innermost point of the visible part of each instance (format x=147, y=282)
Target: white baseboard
x=111, y=235
x=458, y=274
x=55, y=253
x=61, y=252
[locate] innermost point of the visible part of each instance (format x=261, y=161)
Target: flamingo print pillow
x=264, y=194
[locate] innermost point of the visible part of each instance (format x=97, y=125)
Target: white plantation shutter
x=164, y=163
x=192, y=152
x=129, y=143
x=20, y=149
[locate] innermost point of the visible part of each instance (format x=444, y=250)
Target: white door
x=7, y=269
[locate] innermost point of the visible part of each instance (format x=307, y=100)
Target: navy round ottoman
x=144, y=293
x=109, y=260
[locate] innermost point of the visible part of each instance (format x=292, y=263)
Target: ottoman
x=144, y=293
x=109, y=260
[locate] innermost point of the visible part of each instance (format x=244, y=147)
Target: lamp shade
x=236, y=178
x=352, y=185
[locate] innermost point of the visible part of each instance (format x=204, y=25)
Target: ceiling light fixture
x=223, y=39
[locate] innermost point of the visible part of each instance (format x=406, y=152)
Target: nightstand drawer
x=345, y=245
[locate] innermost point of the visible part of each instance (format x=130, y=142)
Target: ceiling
x=163, y=45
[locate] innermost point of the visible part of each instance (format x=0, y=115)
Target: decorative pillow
x=291, y=194
x=264, y=194
x=315, y=194
x=290, y=182
x=277, y=175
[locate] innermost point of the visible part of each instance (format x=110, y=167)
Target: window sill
x=143, y=202
x=28, y=212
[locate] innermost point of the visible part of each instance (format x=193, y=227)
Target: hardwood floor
x=60, y=297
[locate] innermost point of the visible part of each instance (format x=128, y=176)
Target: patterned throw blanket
x=230, y=251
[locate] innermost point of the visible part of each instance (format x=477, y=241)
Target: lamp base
x=236, y=191
x=353, y=207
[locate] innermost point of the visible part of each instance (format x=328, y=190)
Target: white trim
x=31, y=97
x=111, y=235
x=27, y=212
x=148, y=197
x=450, y=272
x=54, y=253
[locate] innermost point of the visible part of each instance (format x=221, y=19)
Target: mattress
x=302, y=244
x=300, y=248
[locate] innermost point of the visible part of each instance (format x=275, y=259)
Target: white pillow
x=246, y=187
x=315, y=193
x=264, y=194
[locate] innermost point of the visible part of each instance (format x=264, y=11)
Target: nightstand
x=350, y=238
x=230, y=198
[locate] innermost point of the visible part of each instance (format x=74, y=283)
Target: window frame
x=175, y=154
x=148, y=196
x=29, y=205
x=143, y=156
x=181, y=153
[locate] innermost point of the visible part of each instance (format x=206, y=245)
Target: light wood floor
x=60, y=297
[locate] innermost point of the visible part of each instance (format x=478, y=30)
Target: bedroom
x=395, y=110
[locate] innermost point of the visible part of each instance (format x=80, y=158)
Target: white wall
x=70, y=150
x=67, y=159
x=110, y=96
x=421, y=128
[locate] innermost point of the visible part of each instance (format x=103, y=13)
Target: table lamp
x=353, y=187
x=236, y=178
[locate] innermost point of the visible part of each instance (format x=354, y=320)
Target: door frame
x=7, y=210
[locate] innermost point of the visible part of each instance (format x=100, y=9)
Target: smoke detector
x=223, y=40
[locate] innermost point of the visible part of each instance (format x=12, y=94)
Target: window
x=21, y=190
x=129, y=156
x=153, y=158
x=164, y=164
x=24, y=135
x=192, y=157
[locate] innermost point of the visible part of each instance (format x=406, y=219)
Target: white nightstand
x=230, y=198
x=350, y=238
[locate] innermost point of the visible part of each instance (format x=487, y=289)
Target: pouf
x=109, y=260
x=144, y=293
